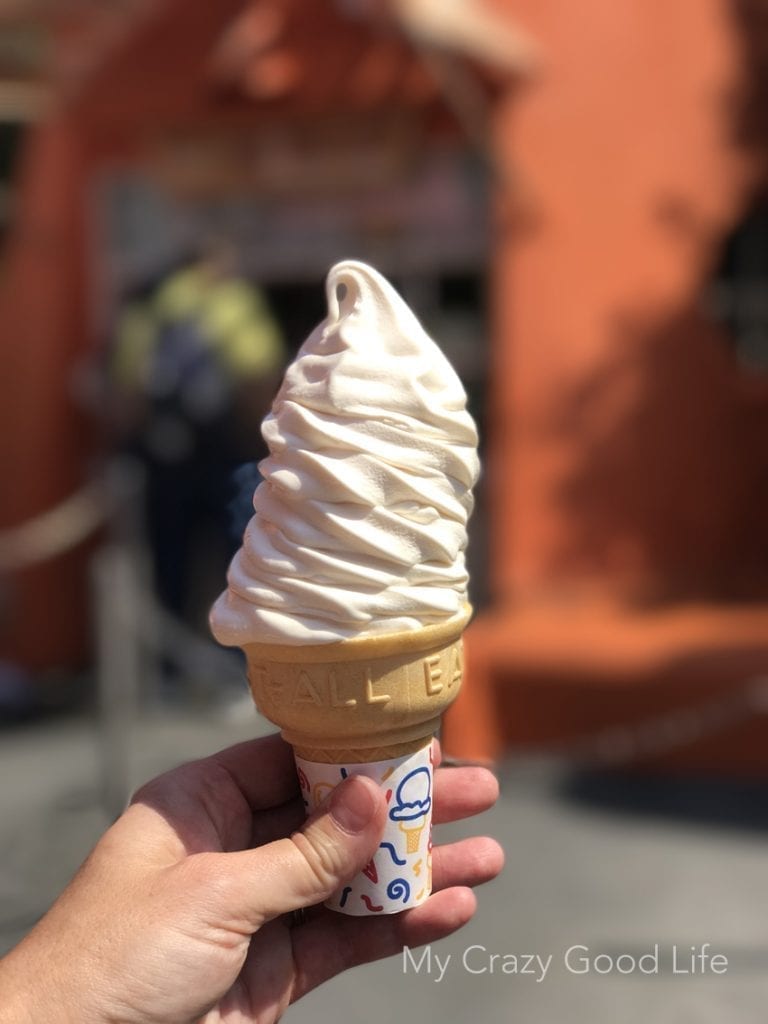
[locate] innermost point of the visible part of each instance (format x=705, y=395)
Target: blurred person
x=17, y=697
x=194, y=365
x=191, y=908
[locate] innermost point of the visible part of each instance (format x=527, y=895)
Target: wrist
x=29, y=992
x=19, y=997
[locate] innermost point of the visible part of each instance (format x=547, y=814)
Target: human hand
x=182, y=912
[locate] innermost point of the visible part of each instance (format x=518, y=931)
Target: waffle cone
x=360, y=700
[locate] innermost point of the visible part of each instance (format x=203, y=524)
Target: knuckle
x=156, y=790
x=323, y=859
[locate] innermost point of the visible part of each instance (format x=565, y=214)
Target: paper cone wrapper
x=365, y=705
x=399, y=875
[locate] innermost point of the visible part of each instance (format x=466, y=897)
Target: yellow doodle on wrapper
x=320, y=791
x=412, y=836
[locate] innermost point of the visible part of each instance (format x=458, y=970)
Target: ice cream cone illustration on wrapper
x=413, y=806
x=413, y=835
x=349, y=594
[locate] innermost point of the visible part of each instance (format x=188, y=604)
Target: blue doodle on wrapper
x=393, y=853
x=413, y=798
x=407, y=784
x=399, y=889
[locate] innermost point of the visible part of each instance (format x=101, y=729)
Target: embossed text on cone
x=363, y=699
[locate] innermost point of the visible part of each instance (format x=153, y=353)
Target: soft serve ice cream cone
x=349, y=594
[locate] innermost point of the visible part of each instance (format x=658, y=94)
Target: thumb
x=334, y=844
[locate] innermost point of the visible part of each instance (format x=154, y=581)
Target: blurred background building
x=572, y=200
x=297, y=133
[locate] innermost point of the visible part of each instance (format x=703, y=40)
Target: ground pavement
x=622, y=867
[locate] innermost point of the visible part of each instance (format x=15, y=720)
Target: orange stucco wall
x=626, y=458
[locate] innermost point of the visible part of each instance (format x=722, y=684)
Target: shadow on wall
x=669, y=481
x=751, y=115
x=667, y=492
x=721, y=803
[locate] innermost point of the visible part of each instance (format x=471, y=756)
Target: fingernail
x=352, y=805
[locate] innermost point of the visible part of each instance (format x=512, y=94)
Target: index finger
x=263, y=770
x=463, y=792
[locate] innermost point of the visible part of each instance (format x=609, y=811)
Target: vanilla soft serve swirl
x=360, y=522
